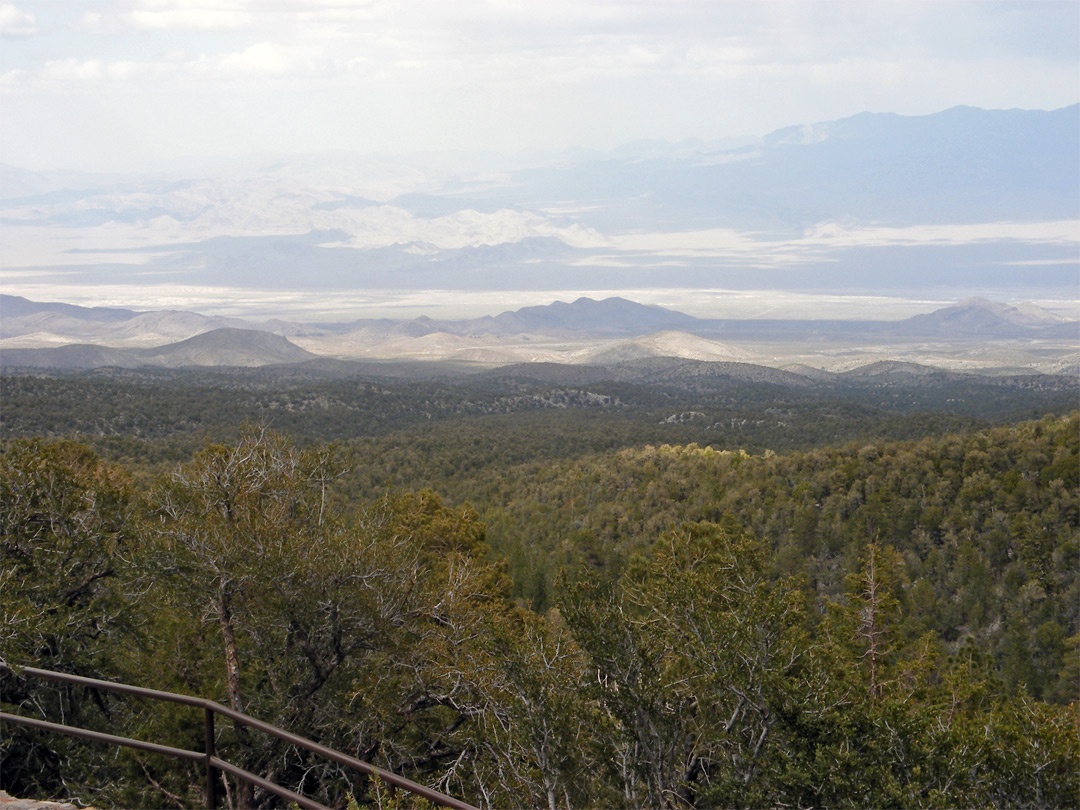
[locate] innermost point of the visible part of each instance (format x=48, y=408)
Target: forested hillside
x=521, y=412
x=843, y=598
x=983, y=527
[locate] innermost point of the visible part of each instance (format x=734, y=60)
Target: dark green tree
x=67, y=536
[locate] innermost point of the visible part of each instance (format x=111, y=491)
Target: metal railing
x=208, y=756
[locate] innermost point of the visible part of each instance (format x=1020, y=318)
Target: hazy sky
x=109, y=84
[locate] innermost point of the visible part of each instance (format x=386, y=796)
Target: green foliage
x=983, y=550
x=161, y=417
x=719, y=694
x=359, y=613
x=64, y=531
x=873, y=624
x=700, y=661
x=66, y=536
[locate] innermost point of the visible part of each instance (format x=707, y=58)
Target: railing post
x=211, y=772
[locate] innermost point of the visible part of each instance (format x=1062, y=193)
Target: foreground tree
x=700, y=657
x=357, y=630
x=67, y=535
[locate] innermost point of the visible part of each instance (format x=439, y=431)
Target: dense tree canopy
x=873, y=624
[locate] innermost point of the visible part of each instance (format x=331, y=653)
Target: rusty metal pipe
x=112, y=686
x=210, y=706
x=98, y=736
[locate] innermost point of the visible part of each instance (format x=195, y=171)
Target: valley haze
x=882, y=214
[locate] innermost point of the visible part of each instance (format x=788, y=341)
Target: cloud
x=66, y=70
x=228, y=15
x=265, y=59
x=60, y=71
x=1063, y=232
x=15, y=22
x=391, y=76
x=157, y=15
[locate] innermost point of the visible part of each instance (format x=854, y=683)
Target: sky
x=108, y=85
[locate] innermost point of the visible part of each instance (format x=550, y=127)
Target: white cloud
x=15, y=22
x=75, y=71
x=831, y=235
x=265, y=59
x=188, y=14
x=231, y=15
x=127, y=70
x=92, y=20
x=330, y=19
x=66, y=70
x=398, y=76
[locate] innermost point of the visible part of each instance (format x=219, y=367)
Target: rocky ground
x=8, y=802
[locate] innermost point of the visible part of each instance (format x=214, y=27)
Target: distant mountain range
x=960, y=165
x=607, y=332
x=832, y=199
